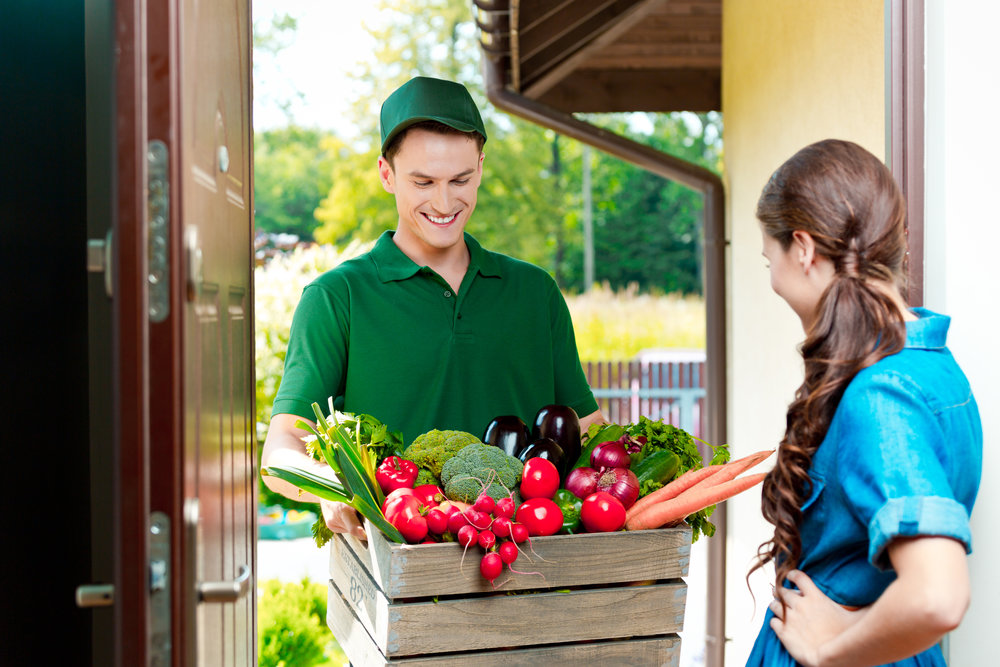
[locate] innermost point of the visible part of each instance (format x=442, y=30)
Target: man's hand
x=284, y=446
x=341, y=518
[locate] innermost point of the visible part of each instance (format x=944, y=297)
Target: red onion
x=610, y=455
x=581, y=482
x=620, y=483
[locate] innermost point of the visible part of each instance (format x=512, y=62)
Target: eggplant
x=548, y=449
x=562, y=424
x=508, y=432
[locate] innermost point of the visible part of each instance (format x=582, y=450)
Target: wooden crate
x=615, y=597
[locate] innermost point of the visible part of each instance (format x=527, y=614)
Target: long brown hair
x=847, y=200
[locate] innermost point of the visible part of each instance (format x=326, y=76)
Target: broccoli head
x=465, y=474
x=430, y=451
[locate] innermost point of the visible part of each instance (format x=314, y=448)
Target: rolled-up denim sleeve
x=894, y=465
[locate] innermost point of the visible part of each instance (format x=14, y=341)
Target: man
x=427, y=330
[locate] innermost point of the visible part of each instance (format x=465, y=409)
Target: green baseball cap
x=424, y=98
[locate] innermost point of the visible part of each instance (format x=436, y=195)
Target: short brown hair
x=392, y=148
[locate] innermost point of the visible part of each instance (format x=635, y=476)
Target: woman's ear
x=805, y=249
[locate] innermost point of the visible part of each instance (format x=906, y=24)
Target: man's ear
x=386, y=175
x=805, y=249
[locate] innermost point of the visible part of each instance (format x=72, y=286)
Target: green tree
x=520, y=207
x=293, y=171
x=647, y=229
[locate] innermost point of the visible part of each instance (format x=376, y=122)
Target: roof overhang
x=607, y=55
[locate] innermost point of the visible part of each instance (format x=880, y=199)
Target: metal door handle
x=225, y=591
x=95, y=595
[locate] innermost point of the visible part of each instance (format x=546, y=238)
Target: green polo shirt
x=389, y=338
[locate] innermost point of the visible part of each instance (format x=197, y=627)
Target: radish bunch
x=489, y=525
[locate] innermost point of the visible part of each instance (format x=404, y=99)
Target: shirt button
x=447, y=294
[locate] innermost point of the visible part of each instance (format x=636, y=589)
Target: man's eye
x=462, y=181
x=422, y=184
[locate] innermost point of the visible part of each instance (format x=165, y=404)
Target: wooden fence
x=673, y=390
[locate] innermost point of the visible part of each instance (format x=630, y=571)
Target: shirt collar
x=929, y=332
x=392, y=264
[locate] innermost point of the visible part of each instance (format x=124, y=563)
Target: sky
x=311, y=71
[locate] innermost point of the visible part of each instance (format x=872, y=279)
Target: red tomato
x=540, y=478
x=394, y=495
x=540, y=516
x=602, y=513
x=403, y=512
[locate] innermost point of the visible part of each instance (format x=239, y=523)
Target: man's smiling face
x=435, y=178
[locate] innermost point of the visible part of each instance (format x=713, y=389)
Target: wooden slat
x=540, y=77
x=362, y=651
x=424, y=570
x=443, y=626
x=587, y=91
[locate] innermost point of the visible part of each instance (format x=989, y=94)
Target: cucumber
x=658, y=467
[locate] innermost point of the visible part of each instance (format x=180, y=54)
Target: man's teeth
x=441, y=221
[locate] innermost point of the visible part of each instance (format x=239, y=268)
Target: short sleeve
x=892, y=465
x=571, y=386
x=316, y=359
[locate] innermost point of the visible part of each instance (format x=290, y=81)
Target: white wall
x=962, y=238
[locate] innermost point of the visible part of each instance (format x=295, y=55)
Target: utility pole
x=588, y=224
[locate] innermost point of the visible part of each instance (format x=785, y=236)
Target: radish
x=501, y=526
x=518, y=532
x=508, y=552
x=485, y=504
x=504, y=508
x=456, y=521
x=480, y=520
x=491, y=566
x=468, y=535
x=487, y=539
x=437, y=521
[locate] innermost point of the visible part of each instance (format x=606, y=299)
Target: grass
x=613, y=326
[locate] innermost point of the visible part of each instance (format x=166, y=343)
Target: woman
x=880, y=462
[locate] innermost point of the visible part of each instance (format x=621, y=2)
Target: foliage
x=646, y=229
x=291, y=622
x=293, y=170
x=270, y=38
x=277, y=288
x=612, y=325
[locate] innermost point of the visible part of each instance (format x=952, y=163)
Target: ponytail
x=848, y=202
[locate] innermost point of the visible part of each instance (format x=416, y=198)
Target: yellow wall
x=794, y=72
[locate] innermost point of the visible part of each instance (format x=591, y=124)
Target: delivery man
x=428, y=329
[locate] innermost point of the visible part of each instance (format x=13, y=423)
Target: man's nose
x=441, y=201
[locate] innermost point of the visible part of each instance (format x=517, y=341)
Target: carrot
x=673, y=488
x=733, y=469
x=694, y=499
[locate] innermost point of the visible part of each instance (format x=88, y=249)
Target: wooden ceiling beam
x=601, y=29
x=603, y=91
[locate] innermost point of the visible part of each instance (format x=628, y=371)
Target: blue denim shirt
x=902, y=457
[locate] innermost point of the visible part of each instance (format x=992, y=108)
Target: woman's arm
x=927, y=600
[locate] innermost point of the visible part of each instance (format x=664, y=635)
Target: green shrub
x=291, y=626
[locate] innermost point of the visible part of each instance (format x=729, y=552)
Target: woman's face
x=798, y=275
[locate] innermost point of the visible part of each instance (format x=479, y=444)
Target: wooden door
x=185, y=504
x=216, y=223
